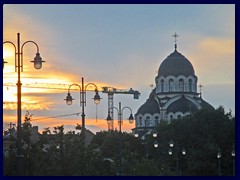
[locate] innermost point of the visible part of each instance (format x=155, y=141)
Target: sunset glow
x=7, y=53
x=111, y=46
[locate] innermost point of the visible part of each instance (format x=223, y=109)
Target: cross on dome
x=175, y=36
x=200, y=89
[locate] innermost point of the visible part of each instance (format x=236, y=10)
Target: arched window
x=147, y=121
x=171, y=117
x=181, y=85
x=140, y=122
x=190, y=85
x=156, y=120
x=162, y=85
x=151, y=122
x=179, y=116
x=170, y=85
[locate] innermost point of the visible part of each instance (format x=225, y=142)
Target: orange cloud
x=218, y=46
x=214, y=60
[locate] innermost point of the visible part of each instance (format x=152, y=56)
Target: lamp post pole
x=83, y=90
x=131, y=119
x=155, y=143
x=170, y=152
x=219, y=155
x=120, y=117
x=120, y=113
x=233, y=157
x=83, y=103
x=19, y=68
x=177, y=161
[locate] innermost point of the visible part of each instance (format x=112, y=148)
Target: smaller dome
x=176, y=64
x=183, y=105
x=150, y=106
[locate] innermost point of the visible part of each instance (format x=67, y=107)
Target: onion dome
x=150, y=106
x=176, y=64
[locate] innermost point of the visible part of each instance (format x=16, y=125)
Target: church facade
x=174, y=96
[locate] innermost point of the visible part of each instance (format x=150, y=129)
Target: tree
x=201, y=134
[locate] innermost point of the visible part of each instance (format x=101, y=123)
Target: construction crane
x=110, y=92
x=44, y=85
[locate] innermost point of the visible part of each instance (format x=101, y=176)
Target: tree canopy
x=202, y=134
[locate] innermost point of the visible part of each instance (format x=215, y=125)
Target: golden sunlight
x=9, y=94
x=7, y=53
x=91, y=124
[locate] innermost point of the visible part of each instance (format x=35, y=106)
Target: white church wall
x=176, y=85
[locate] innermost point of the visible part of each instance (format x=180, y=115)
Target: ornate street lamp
x=219, y=155
x=83, y=89
x=154, y=134
x=170, y=152
x=120, y=119
x=233, y=158
x=19, y=68
x=135, y=135
x=155, y=144
x=120, y=113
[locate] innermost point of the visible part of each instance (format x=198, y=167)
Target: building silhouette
x=174, y=96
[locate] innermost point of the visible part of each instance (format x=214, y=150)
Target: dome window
x=171, y=85
x=147, y=121
x=162, y=85
x=190, y=85
x=181, y=85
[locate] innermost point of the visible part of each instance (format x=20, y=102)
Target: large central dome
x=176, y=64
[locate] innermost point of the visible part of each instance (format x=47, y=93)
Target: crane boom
x=110, y=91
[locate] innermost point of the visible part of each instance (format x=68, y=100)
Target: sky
x=120, y=46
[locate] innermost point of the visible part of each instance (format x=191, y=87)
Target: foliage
x=201, y=134
x=112, y=153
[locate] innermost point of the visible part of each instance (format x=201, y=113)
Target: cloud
x=29, y=106
x=104, y=52
x=214, y=60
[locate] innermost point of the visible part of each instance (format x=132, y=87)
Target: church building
x=174, y=96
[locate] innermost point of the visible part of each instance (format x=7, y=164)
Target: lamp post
x=170, y=152
x=131, y=119
x=19, y=68
x=233, y=158
x=219, y=155
x=120, y=113
x=83, y=89
x=155, y=143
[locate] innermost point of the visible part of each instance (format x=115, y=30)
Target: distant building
x=174, y=96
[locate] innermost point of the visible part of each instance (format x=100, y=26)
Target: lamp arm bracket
x=30, y=42
x=92, y=85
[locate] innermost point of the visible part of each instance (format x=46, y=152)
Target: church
x=174, y=96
